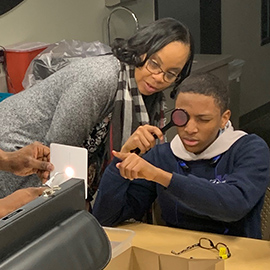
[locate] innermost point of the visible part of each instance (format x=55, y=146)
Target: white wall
x=54, y=20
x=241, y=37
x=187, y=11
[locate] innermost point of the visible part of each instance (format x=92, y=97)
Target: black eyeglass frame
x=212, y=246
x=177, y=77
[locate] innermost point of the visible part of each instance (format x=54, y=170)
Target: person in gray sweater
x=99, y=100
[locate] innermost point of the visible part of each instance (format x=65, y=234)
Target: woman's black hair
x=152, y=38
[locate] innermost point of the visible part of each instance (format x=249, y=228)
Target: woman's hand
x=133, y=166
x=142, y=138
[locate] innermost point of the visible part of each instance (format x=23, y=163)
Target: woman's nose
x=159, y=77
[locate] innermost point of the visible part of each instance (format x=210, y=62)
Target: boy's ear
x=225, y=118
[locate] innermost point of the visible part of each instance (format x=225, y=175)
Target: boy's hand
x=133, y=166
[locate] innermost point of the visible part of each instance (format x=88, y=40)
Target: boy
x=209, y=178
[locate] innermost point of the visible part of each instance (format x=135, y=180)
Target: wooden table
x=247, y=253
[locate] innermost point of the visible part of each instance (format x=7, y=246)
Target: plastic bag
x=235, y=69
x=59, y=55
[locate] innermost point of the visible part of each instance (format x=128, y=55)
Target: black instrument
x=179, y=118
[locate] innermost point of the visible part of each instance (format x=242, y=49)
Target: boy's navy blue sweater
x=225, y=197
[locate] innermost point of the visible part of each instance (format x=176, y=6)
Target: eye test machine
x=54, y=231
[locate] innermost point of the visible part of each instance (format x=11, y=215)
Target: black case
x=54, y=232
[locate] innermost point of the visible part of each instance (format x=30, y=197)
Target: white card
x=69, y=162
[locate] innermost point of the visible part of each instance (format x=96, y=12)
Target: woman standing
x=76, y=104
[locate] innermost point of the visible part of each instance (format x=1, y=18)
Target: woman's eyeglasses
x=206, y=243
x=154, y=68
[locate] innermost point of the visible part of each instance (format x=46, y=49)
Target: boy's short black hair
x=209, y=85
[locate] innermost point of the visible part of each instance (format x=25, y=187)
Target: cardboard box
x=155, y=241
x=136, y=258
x=128, y=256
x=18, y=58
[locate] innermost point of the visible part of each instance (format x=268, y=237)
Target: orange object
x=18, y=58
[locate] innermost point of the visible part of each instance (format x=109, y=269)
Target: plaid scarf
x=132, y=109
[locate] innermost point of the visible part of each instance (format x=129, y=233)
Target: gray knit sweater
x=62, y=109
